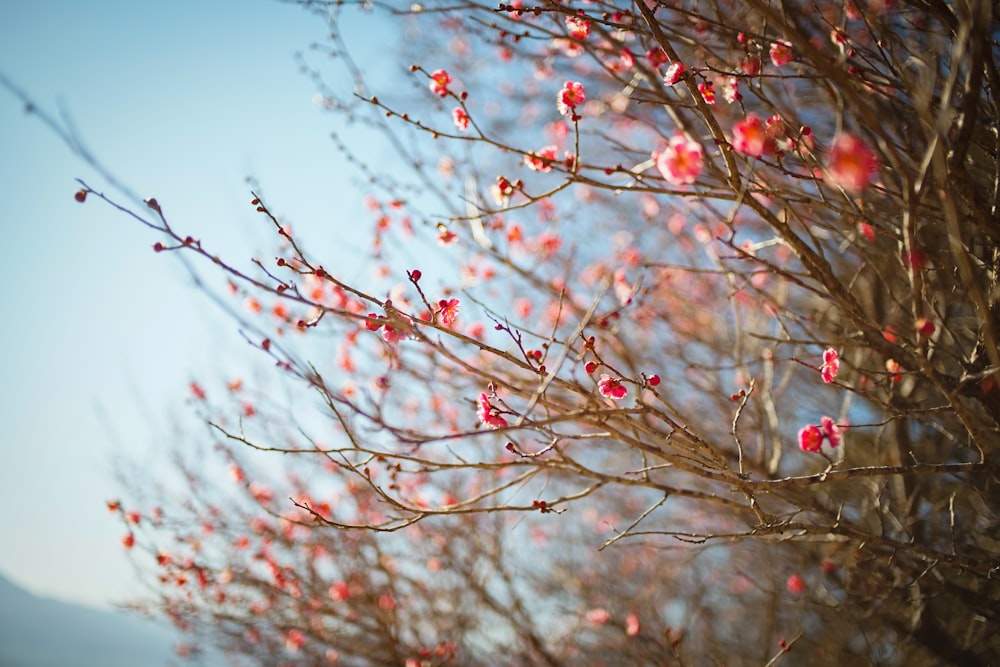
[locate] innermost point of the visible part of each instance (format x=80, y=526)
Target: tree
x=711, y=327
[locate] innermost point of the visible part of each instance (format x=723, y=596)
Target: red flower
x=448, y=310
x=439, y=82
x=542, y=160
x=611, y=387
x=851, y=164
x=681, y=161
x=781, y=53
x=570, y=97
x=750, y=137
x=488, y=414
x=674, y=73
x=830, y=430
x=810, y=438
x=579, y=28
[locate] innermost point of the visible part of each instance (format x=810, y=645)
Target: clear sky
x=181, y=101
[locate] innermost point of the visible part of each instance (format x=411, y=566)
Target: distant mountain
x=39, y=632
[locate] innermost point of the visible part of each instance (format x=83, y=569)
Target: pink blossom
x=611, y=387
x=831, y=365
x=851, y=164
x=543, y=159
x=570, y=97
x=750, y=137
x=448, y=310
x=707, y=92
x=674, y=73
x=294, y=641
x=750, y=66
x=598, y=617
x=656, y=57
x=439, y=82
x=261, y=492
x=446, y=236
x=579, y=28
x=781, y=53
x=924, y=327
x=730, y=88
x=488, y=414
x=391, y=334
x=831, y=431
x=632, y=625
x=795, y=584
x=681, y=161
x=461, y=118
x=810, y=438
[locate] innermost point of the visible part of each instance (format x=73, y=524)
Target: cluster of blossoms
x=831, y=365
x=578, y=27
x=811, y=436
x=542, y=159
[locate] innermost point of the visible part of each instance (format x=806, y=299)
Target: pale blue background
x=100, y=336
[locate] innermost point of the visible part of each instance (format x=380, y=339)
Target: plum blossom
x=611, y=387
x=597, y=617
x=439, y=82
x=578, y=27
x=488, y=414
x=656, y=57
x=750, y=137
x=570, y=97
x=831, y=365
x=851, y=164
x=810, y=438
x=674, y=73
x=294, y=641
x=830, y=430
x=707, y=91
x=730, y=86
x=681, y=161
x=632, y=625
x=448, y=310
x=781, y=53
x=795, y=584
x=542, y=159
x=461, y=118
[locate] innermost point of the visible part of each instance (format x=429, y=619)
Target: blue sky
x=180, y=101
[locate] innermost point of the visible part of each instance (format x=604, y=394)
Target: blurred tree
x=682, y=348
